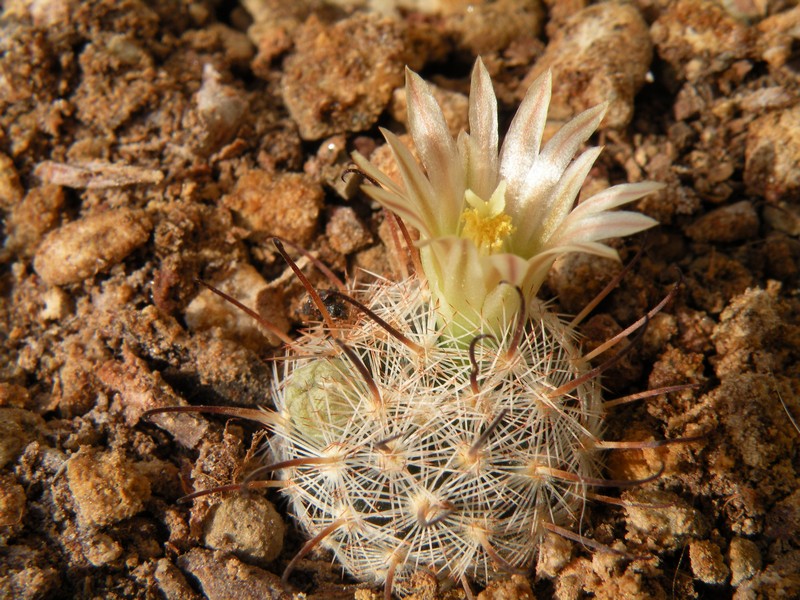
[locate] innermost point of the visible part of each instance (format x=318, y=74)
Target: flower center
x=485, y=223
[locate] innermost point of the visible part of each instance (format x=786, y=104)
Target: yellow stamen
x=485, y=223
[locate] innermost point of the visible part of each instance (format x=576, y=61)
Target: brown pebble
x=707, y=562
x=17, y=428
x=772, y=153
x=697, y=38
x=345, y=231
x=341, y=77
x=485, y=27
x=95, y=243
x=139, y=389
x=286, y=205
x=784, y=217
x=248, y=526
x=732, y=223
x=221, y=108
x=101, y=549
x=669, y=526
x=11, y=191
x=33, y=217
x=12, y=501
x=106, y=487
x=274, y=25
x=515, y=588
x=244, y=283
x=172, y=582
x=777, y=38
x=745, y=560
x=224, y=577
x=602, y=53
x=753, y=324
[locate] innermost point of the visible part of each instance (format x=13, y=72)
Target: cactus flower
x=487, y=213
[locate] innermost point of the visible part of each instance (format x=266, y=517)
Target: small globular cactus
x=408, y=452
x=456, y=421
x=453, y=420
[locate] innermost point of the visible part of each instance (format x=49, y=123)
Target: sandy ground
x=147, y=144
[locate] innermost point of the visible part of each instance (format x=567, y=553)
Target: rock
x=697, y=38
x=515, y=588
x=707, y=562
x=172, y=582
x=779, y=579
x=18, y=427
x=772, y=153
x=33, y=217
x=11, y=191
x=118, y=79
x=671, y=524
x=245, y=284
x=602, y=53
x=778, y=36
x=224, y=577
x=221, y=108
x=341, y=78
x=345, y=231
x=91, y=244
x=12, y=501
x=247, y=525
x=274, y=25
x=139, y=389
x=758, y=434
x=285, y=205
x=745, y=560
x=784, y=217
x=553, y=555
x=733, y=223
x=101, y=549
x=756, y=331
x=106, y=487
x=483, y=27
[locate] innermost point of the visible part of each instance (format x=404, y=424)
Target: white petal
x=602, y=226
x=482, y=164
x=565, y=143
x=418, y=190
x=399, y=205
x=616, y=196
x=589, y=248
x=549, y=214
x=538, y=266
x=436, y=149
x=375, y=173
x=524, y=137
x=527, y=204
x=549, y=166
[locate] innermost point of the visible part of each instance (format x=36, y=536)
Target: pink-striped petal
x=437, y=151
x=418, y=189
x=524, y=137
x=616, y=196
x=602, y=226
x=482, y=165
x=375, y=173
x=550, y=212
